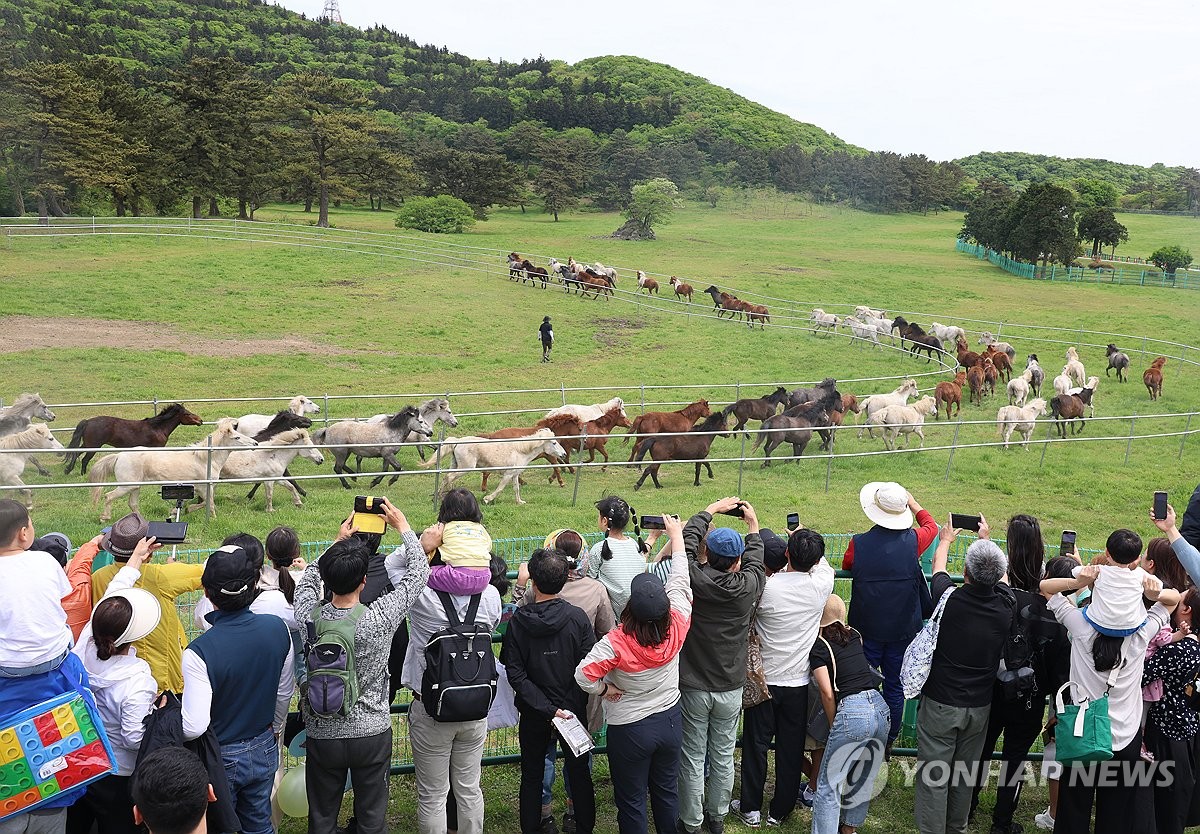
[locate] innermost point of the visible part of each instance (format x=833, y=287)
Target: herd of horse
x=258, y=448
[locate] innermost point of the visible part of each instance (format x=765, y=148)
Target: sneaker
x=569, y=822
x=1012, y=828
x=750, y=819
x=680, y=828
x=772, y=822
x=807, y=796
x=713, y=824
x=1044, y=821
x=548, y=826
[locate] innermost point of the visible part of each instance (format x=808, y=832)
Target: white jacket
x=123, y=686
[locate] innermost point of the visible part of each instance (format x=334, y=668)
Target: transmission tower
x=331, y=12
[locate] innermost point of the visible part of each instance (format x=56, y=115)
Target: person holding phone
x=1185, y=550
x=726, y=586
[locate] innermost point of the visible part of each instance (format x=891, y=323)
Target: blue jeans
x=548, y=775
x=887, y=657
x=250, y=768
x=852, y=758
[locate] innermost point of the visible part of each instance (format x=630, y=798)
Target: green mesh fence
x=1183, y=279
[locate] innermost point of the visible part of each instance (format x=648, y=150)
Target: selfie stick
x=175, y=514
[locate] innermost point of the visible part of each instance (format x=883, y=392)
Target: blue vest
x=244, y=653
x=889, y=595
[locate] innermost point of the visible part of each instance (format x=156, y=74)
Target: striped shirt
x=616, y=573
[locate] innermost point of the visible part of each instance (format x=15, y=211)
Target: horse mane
x=434, y=404
x=285, y=420
x=397, y=420
x=27, y=400
x=560, y=421
x=166, y=414
x=285, y=438
x=24, y=439
x=711, y=423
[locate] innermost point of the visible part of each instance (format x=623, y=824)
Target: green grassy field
x=180, y=318
x=370, y=325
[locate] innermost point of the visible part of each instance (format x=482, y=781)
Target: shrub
x=442, y=214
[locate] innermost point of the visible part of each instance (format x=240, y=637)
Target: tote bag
x=1084, y=731
x=918, y=657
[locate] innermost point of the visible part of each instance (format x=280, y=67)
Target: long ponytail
x=283, y=547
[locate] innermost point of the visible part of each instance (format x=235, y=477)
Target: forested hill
x=1157, y=187
x=603, y=94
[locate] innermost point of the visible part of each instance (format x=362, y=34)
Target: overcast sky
x=946, y=78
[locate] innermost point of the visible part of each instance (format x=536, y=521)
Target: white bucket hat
x=886, y=504
x=146, y=614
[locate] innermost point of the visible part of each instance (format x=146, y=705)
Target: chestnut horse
x=653, y=422
x=1000, y=360
x=124, y=434
x=682, y=290
x=566, y=428
x=759, y=408
x=966, y=357
x=1153, y=377
x=647, y=284
x=949, y=393
x=694, y=445
x=976, y=381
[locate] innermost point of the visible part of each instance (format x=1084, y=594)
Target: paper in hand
x=574, y=734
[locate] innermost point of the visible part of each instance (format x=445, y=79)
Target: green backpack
x=332, y=679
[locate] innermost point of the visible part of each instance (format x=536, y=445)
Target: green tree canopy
x=1042, y=225
x=1171, y=258
x=442, y=214
x=1099, y=225
x=653, y=202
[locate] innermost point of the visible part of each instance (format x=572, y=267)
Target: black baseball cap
x=648, y=598
x=230, y=571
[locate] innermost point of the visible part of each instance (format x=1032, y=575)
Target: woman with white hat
x=124, y=689
x=859, y=719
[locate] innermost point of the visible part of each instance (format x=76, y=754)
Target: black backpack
x=1016, y=676
x=459, y=683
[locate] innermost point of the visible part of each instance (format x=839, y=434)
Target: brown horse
x=756, y=313
x=756, y=409
x=598, y=286
x=949, y=393
x=682, y=290
x=849, y=403
x=966, y=357
x=533, y=273
x=653, y=422
x=724, y=303
x=1153, y=377
x=566, y=428
x=1000, y=360
x=1065, y=409
x=598, y=429
x=647, y=284
x=976, y=382
x=990, y=375
x=694, y=445
x=124, y=434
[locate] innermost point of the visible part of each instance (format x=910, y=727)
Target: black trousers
x=367, y=760
x=1123, y=805
x=644, y=755
x=535, y=733
x=784, y=718
x=1020, y=722
x=1176, y=801
x=106, y=803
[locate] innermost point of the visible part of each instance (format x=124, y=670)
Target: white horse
x=1018, y=387
x=883, y=326
x=824, y=321
x=1063, y=382
x=251, y=424
x=564, y=271
x=986, y=338
x=191, y=466
x=587, y=413
x=12, y=464
x=271, y=459
x=896, y=420
x=863, y=330
x=510, y=456
x=607, y=271
x=381, y=440
x=864, y=312
x=948, y=333
x=1012, y=418
x=876, y=402
x=20, y=414
x=1074, y=368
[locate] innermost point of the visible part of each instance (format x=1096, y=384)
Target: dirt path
x=21, y=333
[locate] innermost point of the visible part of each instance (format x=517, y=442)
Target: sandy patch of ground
x=20, y=333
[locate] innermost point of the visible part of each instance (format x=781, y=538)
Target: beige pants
x=447, y=757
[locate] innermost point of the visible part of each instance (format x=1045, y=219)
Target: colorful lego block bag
x=55, y=746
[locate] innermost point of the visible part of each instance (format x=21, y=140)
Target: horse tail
x=729, y=409
x=762, y=433
x=318, y=437
x=100, y=471
x=644, y=449
x=435, y=458
x=76, y=442
x=634, y=428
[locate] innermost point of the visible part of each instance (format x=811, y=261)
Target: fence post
x=643, y=398
x=563, y=388
x=1045, y=443
x=737, y=395
x=953, y=449
x=212, y=501
x=437, y=475
x=828, y=468
x=154, y=406
x=325, y=410
x=1183, y=439
x=579, y=466
x=1129, y=444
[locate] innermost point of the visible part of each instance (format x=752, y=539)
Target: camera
x=655, y=522
x=368, y=514
x=178, y=492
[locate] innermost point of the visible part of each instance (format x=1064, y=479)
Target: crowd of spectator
x=668, y=634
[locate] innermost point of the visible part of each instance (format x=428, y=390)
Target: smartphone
x=168, y=532
x=655, y=522
x=1067, y=546
x=736, y=512
x=965, y=522
x=793, y=521
x=368, y=514
x=1160, y=505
